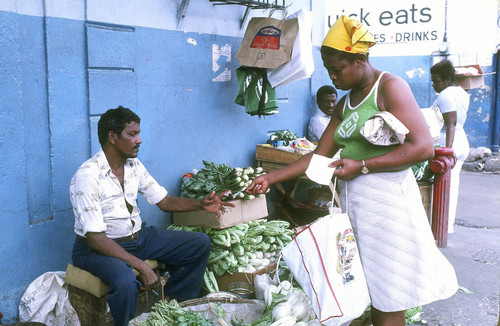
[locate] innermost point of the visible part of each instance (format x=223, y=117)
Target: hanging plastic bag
x=268, y=42
x=255, y=92
x=46, y=301
x=301, y=64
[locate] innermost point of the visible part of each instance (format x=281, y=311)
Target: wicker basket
x=244, y=310
x=216, y=297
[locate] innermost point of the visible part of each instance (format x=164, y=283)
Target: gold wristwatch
x=364, y=169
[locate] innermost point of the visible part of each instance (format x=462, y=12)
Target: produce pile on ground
x=287, y=305
x=219, y=178
x=245, y=247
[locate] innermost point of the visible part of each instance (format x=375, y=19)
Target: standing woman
x=453, y=101
x=402, y=265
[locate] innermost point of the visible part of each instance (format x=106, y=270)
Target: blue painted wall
x=58, y=75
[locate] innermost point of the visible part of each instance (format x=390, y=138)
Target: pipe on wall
x=495, y=137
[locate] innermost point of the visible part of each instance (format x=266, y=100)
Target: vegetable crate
x=245, y=211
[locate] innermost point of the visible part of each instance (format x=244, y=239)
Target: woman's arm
x=396, y=97
x=326, y=147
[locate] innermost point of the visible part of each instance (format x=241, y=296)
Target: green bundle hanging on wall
x=255, y=92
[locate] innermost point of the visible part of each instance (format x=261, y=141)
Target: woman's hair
x=114, y=120
x=351, y=57
x=444, y=69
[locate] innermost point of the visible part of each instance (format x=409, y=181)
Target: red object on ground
x=441, y=167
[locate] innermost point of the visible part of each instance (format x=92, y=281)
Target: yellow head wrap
x=349, y=35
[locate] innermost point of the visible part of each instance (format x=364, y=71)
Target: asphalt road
x=474, y=251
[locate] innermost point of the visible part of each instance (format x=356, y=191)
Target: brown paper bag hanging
x=268, y=42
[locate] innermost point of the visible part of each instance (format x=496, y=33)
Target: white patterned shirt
x=99, y=201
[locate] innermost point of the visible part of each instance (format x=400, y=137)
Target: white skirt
x=403, y=266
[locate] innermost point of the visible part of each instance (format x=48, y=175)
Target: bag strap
x=333, y=187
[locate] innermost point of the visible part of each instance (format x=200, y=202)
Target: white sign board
x=400, y=27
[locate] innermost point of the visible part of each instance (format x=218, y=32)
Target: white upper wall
x=472, y=27
x=202, y=16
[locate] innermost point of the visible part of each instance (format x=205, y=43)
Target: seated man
x=326, y=98
x=111, y=238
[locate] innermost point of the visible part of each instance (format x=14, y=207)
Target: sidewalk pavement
x=474, y=250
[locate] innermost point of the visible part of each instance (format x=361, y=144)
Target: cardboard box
x=470, y=81
x=245, y=210
x=226, y=279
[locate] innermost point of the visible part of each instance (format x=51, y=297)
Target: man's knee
x=125, y=283
x=204, y=242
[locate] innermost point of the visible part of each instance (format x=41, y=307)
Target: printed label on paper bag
x=267, y=37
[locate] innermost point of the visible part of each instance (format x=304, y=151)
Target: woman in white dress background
x=453, y=102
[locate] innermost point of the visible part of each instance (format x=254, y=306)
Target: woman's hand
x=259, y=185
x=346, y=169
x=214, y=204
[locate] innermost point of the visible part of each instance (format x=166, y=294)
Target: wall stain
x=415, y=72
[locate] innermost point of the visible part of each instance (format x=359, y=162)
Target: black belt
x=132, y=237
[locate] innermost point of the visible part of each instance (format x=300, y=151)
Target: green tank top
x=348, y=135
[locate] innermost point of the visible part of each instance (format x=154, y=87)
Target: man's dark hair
x=115, y=120
x=351, y=57
x=325, y=90
x=444, y=69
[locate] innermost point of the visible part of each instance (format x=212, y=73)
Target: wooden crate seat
x=86, y=281
x=87, y=295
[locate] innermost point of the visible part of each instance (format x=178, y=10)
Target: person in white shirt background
x=453, y=102
x=326, y=98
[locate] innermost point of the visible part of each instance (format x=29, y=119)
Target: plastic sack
x=260, y=284
x=301, y=64
x=435, y=121
x=302, y=145
x=384, y=129
x=46, y=301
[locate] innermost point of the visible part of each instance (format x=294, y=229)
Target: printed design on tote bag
x=347, y=127
x=346, y=246
x=268, y=37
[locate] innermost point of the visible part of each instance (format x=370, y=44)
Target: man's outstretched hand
x=214, y=204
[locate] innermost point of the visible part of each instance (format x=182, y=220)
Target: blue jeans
x=184, y=253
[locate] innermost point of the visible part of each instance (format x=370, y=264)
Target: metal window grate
x=253, y=4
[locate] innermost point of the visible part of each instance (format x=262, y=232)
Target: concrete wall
x=63, y=63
